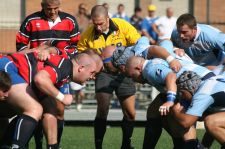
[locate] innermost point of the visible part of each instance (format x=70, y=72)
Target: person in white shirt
x=165, y=24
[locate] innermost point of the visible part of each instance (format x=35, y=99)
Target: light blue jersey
x=156, y=70
x=208, y=47
x=211, y=94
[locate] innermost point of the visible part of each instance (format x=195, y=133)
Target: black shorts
x=107, y=83
x=7, y=110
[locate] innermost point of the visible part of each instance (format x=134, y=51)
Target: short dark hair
x=5, y=81
x=137, y=9
x=186, y=19
x=98, y=10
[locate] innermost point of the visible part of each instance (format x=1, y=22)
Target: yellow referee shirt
x=121, y=33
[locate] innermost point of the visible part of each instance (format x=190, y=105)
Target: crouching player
x=26, y=71
x=157, y=73
x=206, y=99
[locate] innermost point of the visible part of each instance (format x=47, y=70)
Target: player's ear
x=80, y=68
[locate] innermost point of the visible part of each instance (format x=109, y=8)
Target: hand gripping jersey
x=59, y=68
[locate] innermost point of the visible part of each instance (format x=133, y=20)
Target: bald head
x=169, y=12
x=99, y=10
x=83, y=59
x=133, y=63
x=96, y=58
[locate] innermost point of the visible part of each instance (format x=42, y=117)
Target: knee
x=130, y=115
x=60, y=111
x=35, y=111
x=210, y=123
x=102, y=112
x=49, y=117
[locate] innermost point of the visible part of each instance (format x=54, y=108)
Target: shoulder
x=64, y=15
x=33, y=16
x=119, y=21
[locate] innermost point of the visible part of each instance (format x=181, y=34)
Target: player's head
x=5, y=84
x=134, y=68
x=96, y=58
x=51, y=8
x=120, y=57
x=187, y=27
x=100, y=18
x=107, y=58
x=84, y=68
x=187, y=84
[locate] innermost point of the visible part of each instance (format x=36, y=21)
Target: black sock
x=24, y=130
x=178, y=143
x=99, y=128
x=8, y=135
x=60, y=124
x=191, y=144
x=153, y=130
x=52, y=146
x=223, y=145
x=127, y=128
x=38, y=135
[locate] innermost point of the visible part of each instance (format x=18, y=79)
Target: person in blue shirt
x=207, y=98
x=203, y=43
x=157, y=73
x=146, y=25
x=121, y=13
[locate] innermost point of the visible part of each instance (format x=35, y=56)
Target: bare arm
x=155, y=28
x=184, y=119
x=44, y=83
x=171, y=93
x=160, y=52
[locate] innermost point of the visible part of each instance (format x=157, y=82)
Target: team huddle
x=187, y=70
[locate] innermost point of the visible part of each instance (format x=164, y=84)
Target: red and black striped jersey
x=36, y=30
x=59, y=68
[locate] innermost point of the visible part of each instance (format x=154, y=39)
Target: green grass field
x=83, y=138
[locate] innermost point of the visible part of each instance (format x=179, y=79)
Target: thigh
x=22, y=96
x=49, y=105
x=124, y=86
x=216, y=119
x=173, y=127
x=153, y=108
x=103, y=83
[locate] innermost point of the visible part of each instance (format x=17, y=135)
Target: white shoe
x=79, y=107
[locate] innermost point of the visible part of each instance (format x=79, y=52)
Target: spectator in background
x=83, y=19
x=136, y=19
x=106, y=5
x=121, y=13
x=146, y=26
x=165, y=25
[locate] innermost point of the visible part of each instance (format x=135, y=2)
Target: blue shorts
x=9, y=67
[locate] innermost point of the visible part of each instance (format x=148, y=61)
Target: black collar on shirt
x=112, y=28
